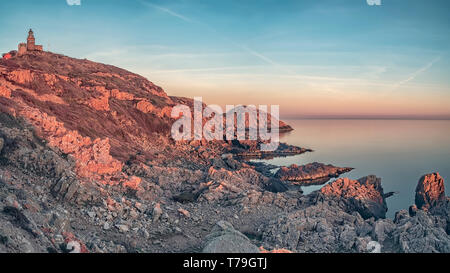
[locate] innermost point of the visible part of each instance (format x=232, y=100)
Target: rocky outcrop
x=225, y=239
x=332, y=221
x=320, y=228
x=365, y=195
x=430, y=191
x=312, y=173
x=420, y=233
x=430, y=197
x=252, y=150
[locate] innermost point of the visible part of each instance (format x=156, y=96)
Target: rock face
x=430, y=196
x=225, y=239
x=313, y=173
x=321, y=228
x=430, y=191
x=364, y=195
x=87, y=110
x=421, y=233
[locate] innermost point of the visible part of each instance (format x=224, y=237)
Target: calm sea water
x=398, y=151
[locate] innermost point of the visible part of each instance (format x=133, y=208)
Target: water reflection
x=398, y=151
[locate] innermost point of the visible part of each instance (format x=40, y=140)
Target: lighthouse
x=30, y=46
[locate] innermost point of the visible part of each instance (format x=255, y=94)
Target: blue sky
x=312, y=57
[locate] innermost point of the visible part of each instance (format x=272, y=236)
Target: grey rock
x=225, y=239
x=382, y=229
x=420, y=234
x=319, y=228
x=122, y=228
x=106, y=226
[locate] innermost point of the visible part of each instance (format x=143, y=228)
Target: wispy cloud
x=417, y=73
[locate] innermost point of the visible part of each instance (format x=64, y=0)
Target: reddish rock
x=5, y=92
x=70, y=237
x=313, y=173
x=430, y=191
x=184, y=212
x=145, y=106
x=364, y=195
x=117, y=94
x=133, y=182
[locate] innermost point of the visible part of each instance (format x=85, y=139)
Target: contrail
x=168, y=11
x=417, y=73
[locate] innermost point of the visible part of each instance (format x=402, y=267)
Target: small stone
x=165, y=216
x=59, y=239
x=106, y=226
x=91, y=214
x=133, y=213
x=146, y=234
x=157, y=212
x=123, y=228
x=140, y=207
x=73, y=247
x=184, y=212
x=11, y=201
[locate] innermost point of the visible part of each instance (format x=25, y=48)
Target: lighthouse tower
x=31, y=42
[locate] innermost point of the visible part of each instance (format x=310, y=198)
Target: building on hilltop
x=30, y=46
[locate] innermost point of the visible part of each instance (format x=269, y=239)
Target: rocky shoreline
x=86, y=165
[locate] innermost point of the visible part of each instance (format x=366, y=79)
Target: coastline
x=86, y=159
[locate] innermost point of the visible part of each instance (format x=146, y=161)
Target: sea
x=397, y=151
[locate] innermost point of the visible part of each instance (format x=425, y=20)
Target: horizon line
x=368, y=117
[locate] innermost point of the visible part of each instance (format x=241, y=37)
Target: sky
x=314, y=58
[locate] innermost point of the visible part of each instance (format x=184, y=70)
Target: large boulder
x=225, y=239
x=430, y=196
x=430, y=191
x=365, y=195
